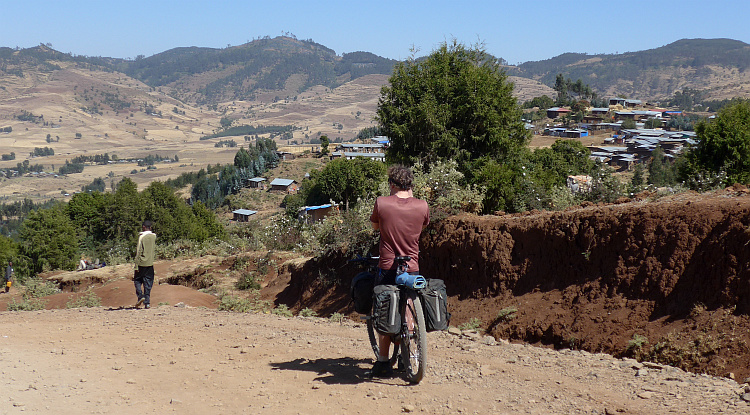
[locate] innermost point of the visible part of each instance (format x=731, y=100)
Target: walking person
x=144, y=265
x=400, y=218
x=8, y=276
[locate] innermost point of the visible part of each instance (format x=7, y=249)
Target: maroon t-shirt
x=401, y=221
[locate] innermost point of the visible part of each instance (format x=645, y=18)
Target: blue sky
x=517, y=31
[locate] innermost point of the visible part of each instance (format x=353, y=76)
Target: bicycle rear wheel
x=414, y=340
x=371, y=333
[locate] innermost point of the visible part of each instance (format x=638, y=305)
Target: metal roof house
x=242, y=215
x=257, y=182
x=312, y=214
x=555, y=112
x=284, y=185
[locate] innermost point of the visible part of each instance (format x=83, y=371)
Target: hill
x=717, y=66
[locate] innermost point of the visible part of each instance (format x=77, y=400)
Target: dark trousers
x=144, y=280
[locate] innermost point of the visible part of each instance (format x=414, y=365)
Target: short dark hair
x=147, y=224
x=400, y=176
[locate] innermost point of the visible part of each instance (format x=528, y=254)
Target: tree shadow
x=339, y=371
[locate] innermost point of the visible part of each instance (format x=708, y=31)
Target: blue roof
x=317, y=207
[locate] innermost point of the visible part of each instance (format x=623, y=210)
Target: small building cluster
x=626, y=147
x=374, y=150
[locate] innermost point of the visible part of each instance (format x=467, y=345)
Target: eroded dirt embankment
x=667, y=280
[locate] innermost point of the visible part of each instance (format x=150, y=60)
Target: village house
x=242, y=215
x=284, y=185
x=555, y=112
x=257, y=183
x=311, y=214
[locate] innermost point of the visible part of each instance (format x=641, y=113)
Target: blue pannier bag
x=416, y=282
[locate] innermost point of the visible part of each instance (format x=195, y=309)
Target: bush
x=37, y=287
x=28, y=304
x=306, y=312
x=90, y=299
x=247, y=281
x=282, y=310
x=443, y=188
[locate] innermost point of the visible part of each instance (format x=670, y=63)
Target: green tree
x=48, y=240
x=724, y=145
x=324, y=142
x=243, y=159
x=455, y=104
x=628, y=124
x=660, y=171
x=345, y=181
x=636, y=182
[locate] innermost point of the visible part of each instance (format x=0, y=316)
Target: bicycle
x=410, y=343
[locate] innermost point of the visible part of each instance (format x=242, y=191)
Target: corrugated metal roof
x=317, y=207
x=246, y=212
x=282, y=182
x=258, y=179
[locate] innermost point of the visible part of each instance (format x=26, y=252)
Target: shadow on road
x=340, y=371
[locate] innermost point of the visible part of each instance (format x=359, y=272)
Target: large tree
x=48, y=240
x=724, y=145
x=455, y=104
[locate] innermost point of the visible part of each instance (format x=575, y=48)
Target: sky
x=517, y=31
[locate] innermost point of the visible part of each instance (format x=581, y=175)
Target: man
x=400, y=218
x=144, y=265
x=8, y=275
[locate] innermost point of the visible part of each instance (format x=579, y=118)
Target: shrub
x=247, y=281
x=507, y=314
x=90, y=299
x=443, y=188
x=336, y=318
x=306, y=312
x=635, y=345
x=472, y=324
x=282, y=310
x=28, y=304
x=37, y=287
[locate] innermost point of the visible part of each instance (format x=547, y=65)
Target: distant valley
x=165, y=103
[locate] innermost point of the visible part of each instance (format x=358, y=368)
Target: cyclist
x=400, y=218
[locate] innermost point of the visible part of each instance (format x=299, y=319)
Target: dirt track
x=198, y=361
x=676, y=271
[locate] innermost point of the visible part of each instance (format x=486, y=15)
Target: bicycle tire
x=414, y=344
x=374, y=343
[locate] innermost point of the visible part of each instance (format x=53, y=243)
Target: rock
x=180, y=305
x=653, y=365
x=646, y=395
x=746, y=397
x=454, y=331
x=642, y=372
x=408, y=408
x=174, y=401
x=473, y=335
x=489, y=340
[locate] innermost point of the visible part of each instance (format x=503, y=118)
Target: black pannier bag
x=435, y=305
x=386, y=318
x=361, y=292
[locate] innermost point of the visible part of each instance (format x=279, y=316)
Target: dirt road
x=196, y=361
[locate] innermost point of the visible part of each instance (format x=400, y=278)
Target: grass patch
x=473, y=324
x=306, y=312
x=90, y=299
x=337, y=318
x=507, y=314
x=282, y=310
x=28, y=304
